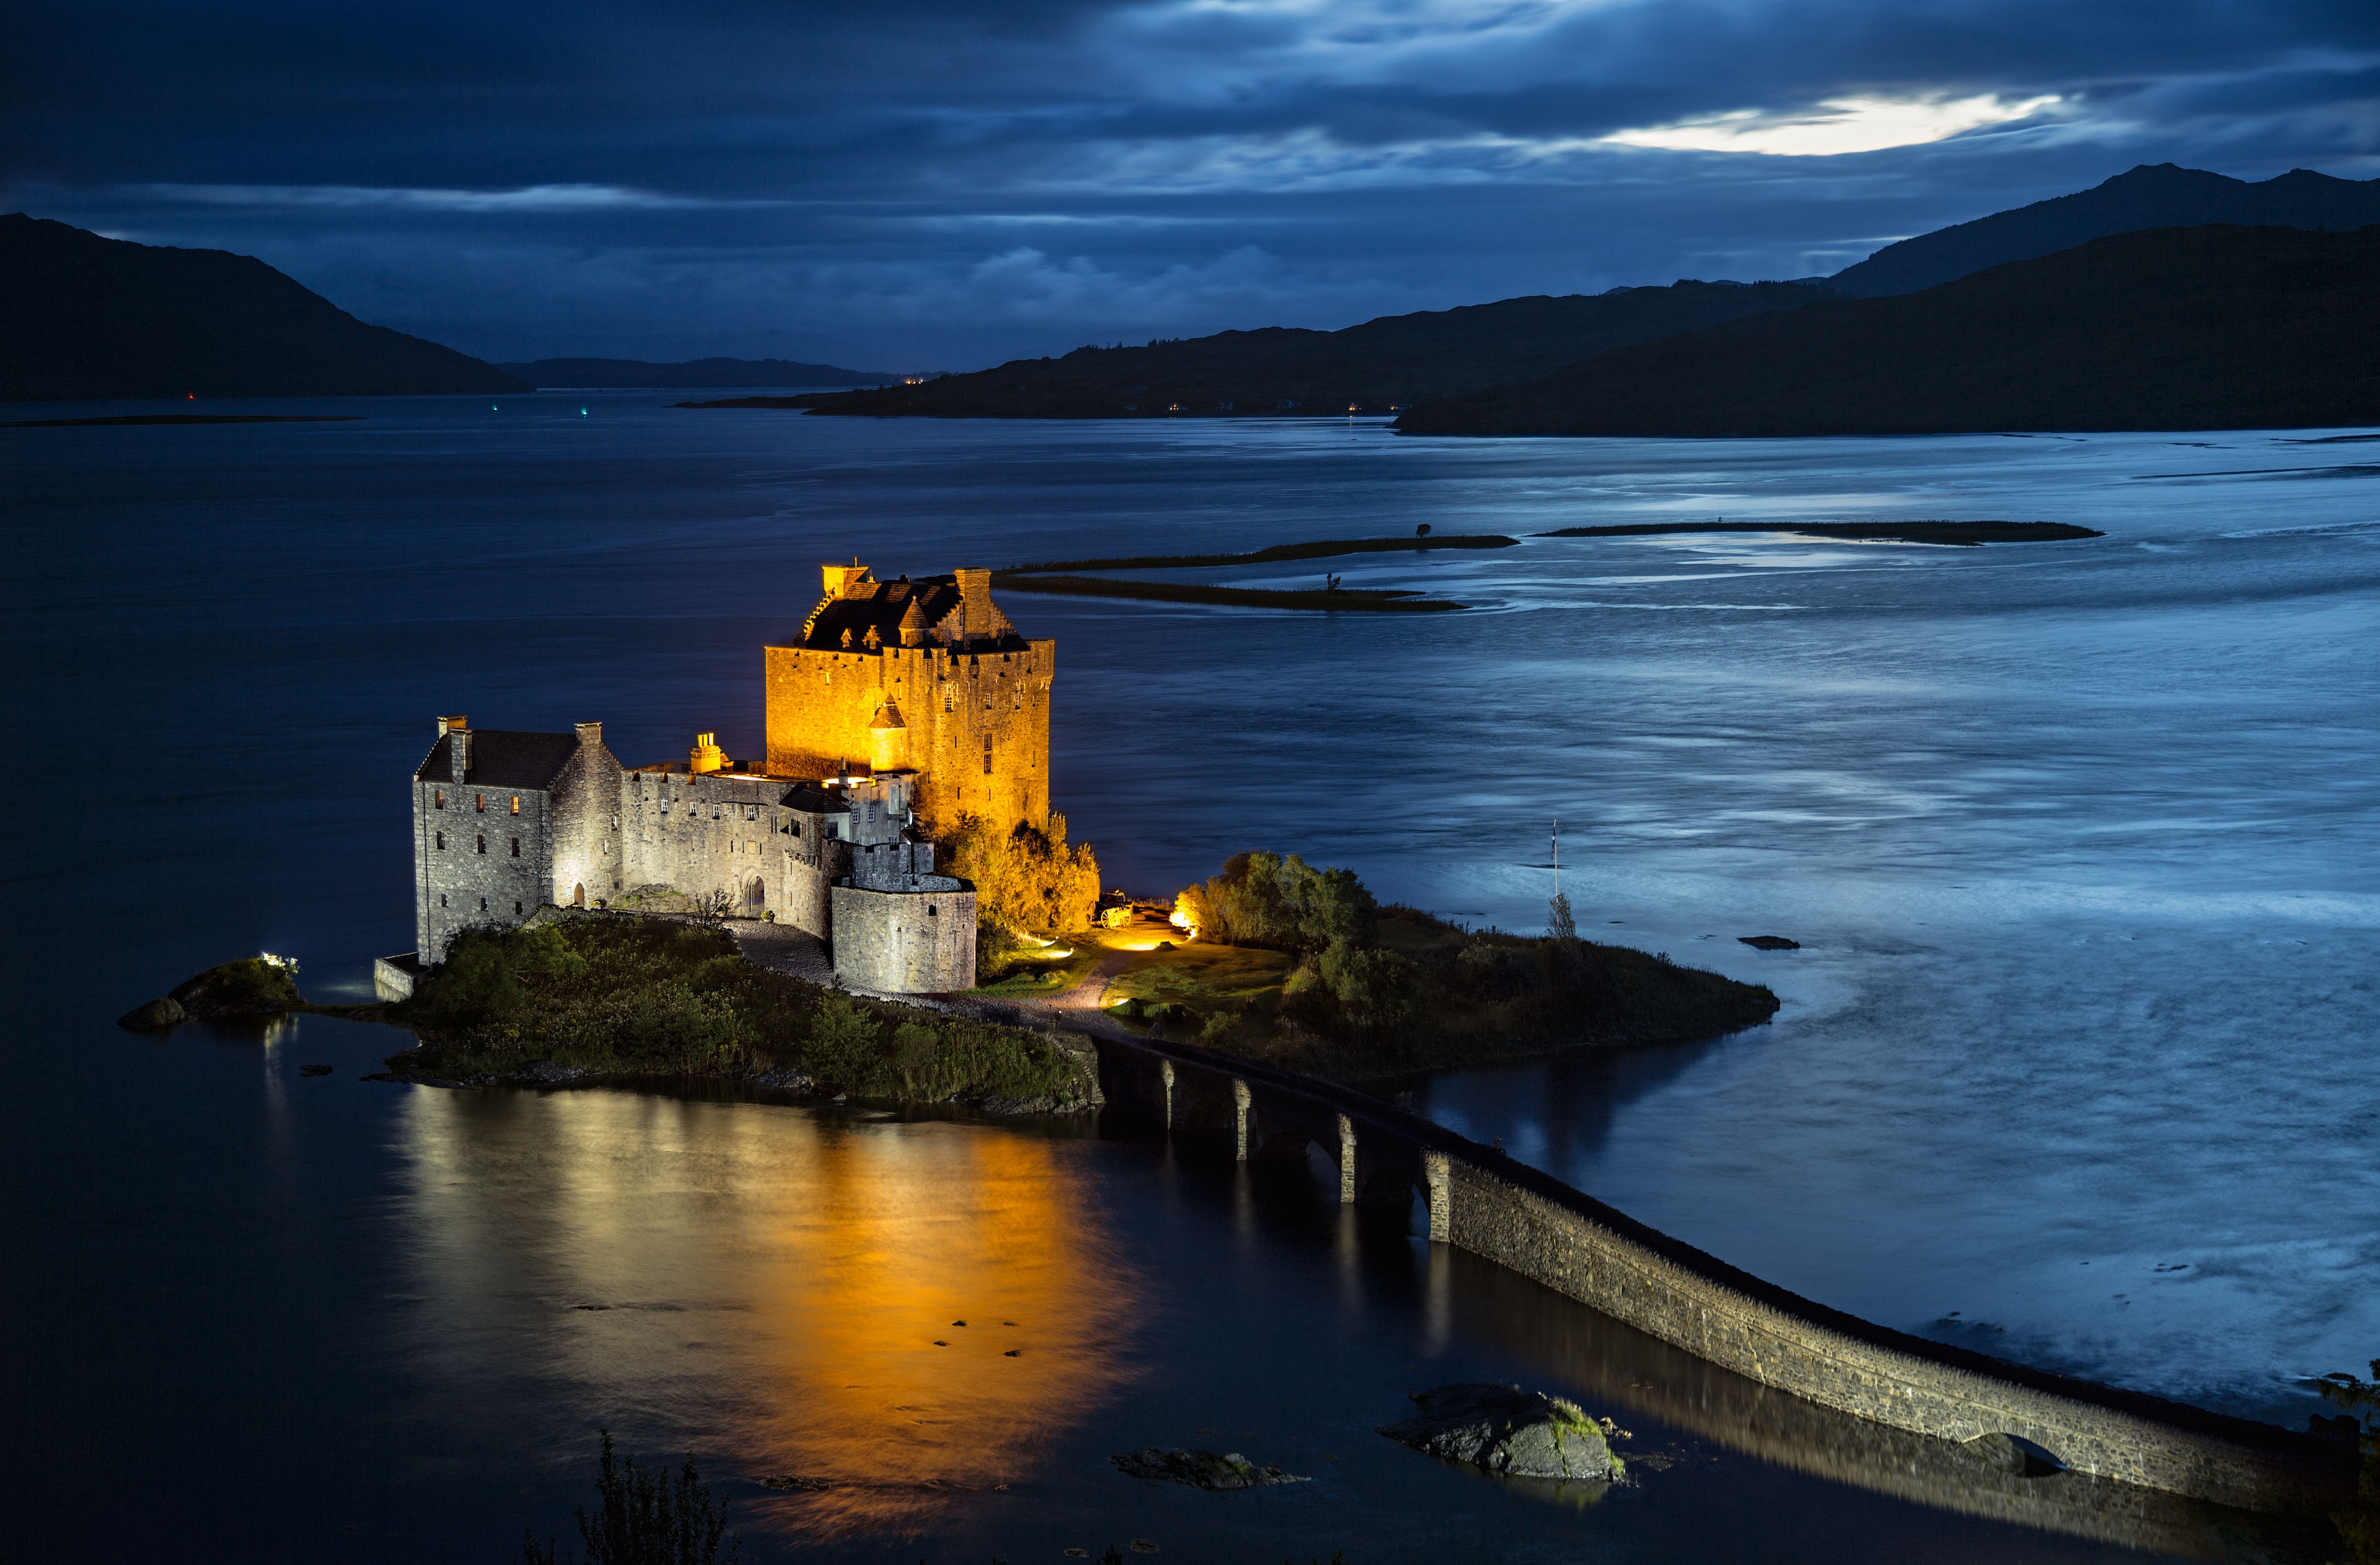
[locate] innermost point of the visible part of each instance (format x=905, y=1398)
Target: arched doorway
x=755, y=897
x=579, y=895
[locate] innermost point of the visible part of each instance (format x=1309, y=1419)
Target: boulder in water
x=155, y=1016
x=1507, y=1430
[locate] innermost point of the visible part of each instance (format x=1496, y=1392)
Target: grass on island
x=1298, y=968
x=1324, y=550
x=1349, y=598
x=1037, y=973
x=1961, y=534
x=622, y=995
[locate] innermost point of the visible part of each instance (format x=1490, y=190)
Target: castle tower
x=929, y=674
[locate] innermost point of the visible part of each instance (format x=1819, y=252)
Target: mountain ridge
x=2208, y=327
x=1274, y=370
x=2146, y=196
x=84, y=317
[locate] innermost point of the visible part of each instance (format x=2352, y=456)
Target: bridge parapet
x=1482, y=1201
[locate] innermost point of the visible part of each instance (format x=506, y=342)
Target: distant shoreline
x=185, y=418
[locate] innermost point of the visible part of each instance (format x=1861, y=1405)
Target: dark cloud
x=926, y=183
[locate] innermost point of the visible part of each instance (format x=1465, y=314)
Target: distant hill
x=2213, y=327
x=2151, y=196
x=695, y=372
x=83, y=316
x=1281, y=370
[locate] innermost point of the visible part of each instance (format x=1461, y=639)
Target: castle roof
x=502, y=759
x=884, y=607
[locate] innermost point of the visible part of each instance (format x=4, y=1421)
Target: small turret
x=887, y=740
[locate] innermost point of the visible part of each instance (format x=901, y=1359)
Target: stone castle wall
x=589, y=863
x=729, y=832
x=977, y=723
x=476, y=862
x=905, y=943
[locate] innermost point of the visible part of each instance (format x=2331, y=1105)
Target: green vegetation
x=1321, y=979
x=1025, y=879
x=1324, y=549
x=252, y=986
x=2358, y=1523
x=621, y=995
x=644, y=1518
x=1394, y=600
x=1958, y=533
x=1023, y=970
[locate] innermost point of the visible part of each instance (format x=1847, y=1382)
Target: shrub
x=644, y=1518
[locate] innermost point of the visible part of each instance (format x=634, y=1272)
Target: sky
x=937, y=185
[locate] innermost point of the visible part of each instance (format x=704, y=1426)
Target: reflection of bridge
x=1479, y=1200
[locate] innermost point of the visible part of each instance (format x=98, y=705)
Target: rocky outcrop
x=1507, y=1430
x=155, y=1016
x=257, y=985
x=1201, y=1469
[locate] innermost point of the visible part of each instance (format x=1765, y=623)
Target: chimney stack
x=975, y=594
x=446, y=724
x=590, y=735
x=458, y=747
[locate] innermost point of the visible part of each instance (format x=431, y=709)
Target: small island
x=887, y=908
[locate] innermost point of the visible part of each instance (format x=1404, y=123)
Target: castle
x=902, y=707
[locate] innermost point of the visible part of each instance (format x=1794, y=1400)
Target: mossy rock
x=252, y=987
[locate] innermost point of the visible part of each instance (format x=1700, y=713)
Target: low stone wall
x=2112, y=1434
x=393, y=977
x=1484, y=1202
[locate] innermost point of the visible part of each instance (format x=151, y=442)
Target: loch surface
x=2075, y=1064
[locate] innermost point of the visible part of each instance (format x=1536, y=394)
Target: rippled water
x=2079, y=841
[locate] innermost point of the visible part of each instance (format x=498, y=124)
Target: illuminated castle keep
x=901, y=703
x=927, y=676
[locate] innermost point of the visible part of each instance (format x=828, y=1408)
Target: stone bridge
x=1484, y=1202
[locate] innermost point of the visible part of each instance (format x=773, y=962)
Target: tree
x=1027, y=879
x=1561, y=926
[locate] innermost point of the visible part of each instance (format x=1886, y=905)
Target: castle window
x=948, y=703
x=516, y=804
x=516, y=847
x=929, y=910
x=871, y=812
x=479, y=803
x=438, y=798
x=483, y=844
x=616, y=823
x=515, y=910
x=483, y=905
x=442, y=840
x=987, y=755
x=441, y=899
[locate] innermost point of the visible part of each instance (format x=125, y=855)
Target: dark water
x=2080, y=844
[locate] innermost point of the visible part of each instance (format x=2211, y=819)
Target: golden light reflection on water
x=787, y=1286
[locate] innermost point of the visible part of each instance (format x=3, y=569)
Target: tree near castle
x=1027, y=880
